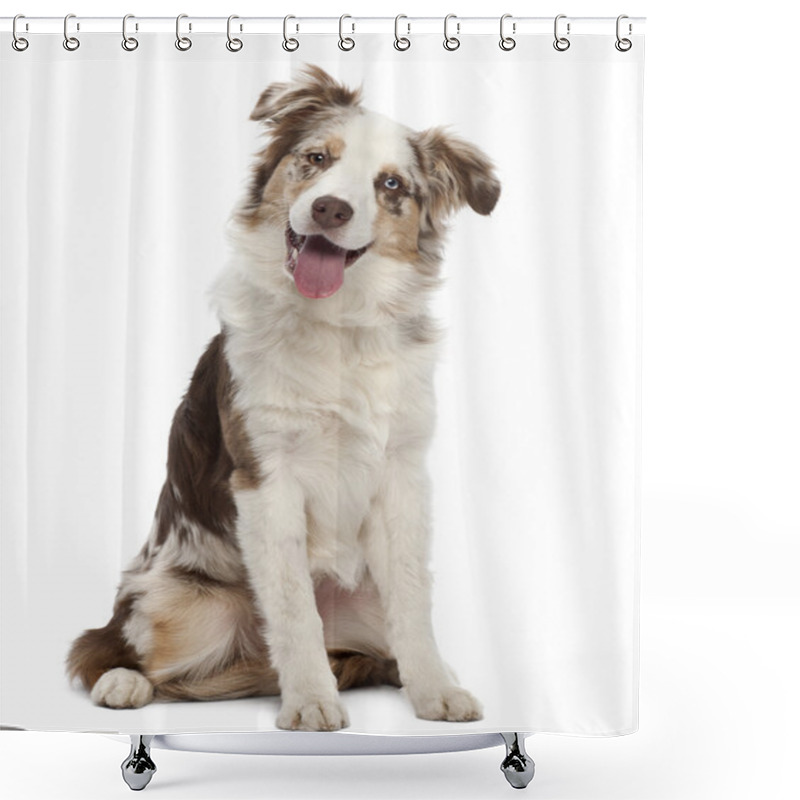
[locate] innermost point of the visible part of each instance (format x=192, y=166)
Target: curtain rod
x=324, y=25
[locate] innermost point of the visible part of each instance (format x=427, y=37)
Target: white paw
x=122, y=688
x=450, y=703
x=312, y=715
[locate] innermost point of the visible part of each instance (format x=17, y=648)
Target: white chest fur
x=330, y=404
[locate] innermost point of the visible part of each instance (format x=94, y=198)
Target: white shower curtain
x=119, y=173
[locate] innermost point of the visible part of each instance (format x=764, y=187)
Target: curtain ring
x=561, y=43
x=18, y=42
x=506, y=42
x=345, y=42
x=401, y=42
x=183, y=43
x=451, y=42
x=129, y=43
x=70, y=42
x=623, y=45
x=290, y=45
x=234, y=45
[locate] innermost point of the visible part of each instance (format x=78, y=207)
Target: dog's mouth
x=317, y=264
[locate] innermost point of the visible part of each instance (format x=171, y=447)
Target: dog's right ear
x=314, y=91
x=266, y=105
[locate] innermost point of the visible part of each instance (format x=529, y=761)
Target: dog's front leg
x=271, y=528
x=397, y=555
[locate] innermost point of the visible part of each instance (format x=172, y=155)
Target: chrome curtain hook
x=506, y=42
x=451, y=42
x=70, y=42
x=181, y=42
x=19, y=43
x=234, y=45
x=623, y=45
x=401, y=42
x=561, y=43
x=289, y=44
x=345, y=42
x=129, y=43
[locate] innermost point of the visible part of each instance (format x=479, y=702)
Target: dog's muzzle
x=314, y=261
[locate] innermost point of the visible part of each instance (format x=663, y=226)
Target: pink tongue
x=320, y=268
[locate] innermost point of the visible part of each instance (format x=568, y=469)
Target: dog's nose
x=331, y=212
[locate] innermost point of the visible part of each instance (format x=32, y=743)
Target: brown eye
x=316, y=158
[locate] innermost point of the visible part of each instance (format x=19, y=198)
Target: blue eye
x=392, y=183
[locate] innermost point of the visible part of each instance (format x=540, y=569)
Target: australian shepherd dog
x=289, y=549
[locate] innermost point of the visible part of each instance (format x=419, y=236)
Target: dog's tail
x=353, y=670
x=99, y=650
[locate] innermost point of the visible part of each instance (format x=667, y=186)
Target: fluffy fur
x=290, y=543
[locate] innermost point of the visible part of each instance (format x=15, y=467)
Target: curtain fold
x=119, y=174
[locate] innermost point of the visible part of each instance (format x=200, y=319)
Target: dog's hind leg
x=240, y=679
x=107, y=664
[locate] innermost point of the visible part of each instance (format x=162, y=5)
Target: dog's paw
x=122, y=688
x=312, y=715
x=450, y=703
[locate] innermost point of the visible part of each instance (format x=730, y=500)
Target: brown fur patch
x=356, y=670
x=207, y=442
x=335, y=146
x=246, y=472
x=393, y=200
x=396, y=235
x=271, y=205
x=198, y=463
x=329, y=146
x=101, y=649
x=200, y=628
x=240, y=679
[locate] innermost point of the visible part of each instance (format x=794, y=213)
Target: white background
x=721, y=435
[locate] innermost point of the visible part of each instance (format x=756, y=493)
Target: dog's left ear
x=458, y=173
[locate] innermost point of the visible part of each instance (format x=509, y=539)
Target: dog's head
x=353, y=193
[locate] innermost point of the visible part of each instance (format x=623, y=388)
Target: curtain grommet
x=346, y=43
x=19, y=43
x=183, y=43
x=71, y=43
x=233, y=44
x=451, y=43
x=289, y=44
x=561, y=43
x=129, y=43
x=507, y=43
x=623, y=44
x=401, y=43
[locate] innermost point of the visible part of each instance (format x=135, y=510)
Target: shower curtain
x=122, y=168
